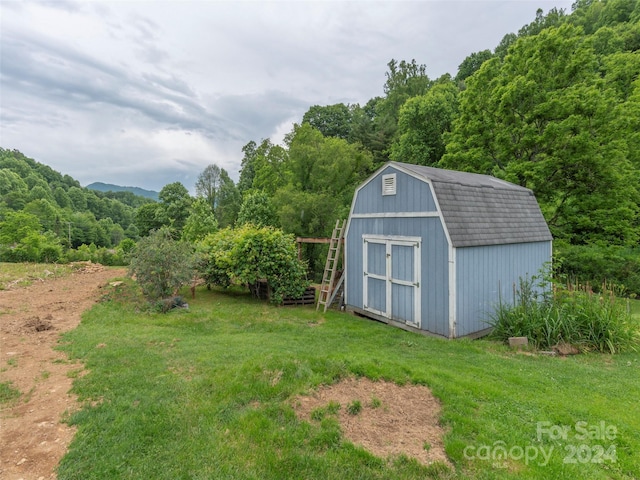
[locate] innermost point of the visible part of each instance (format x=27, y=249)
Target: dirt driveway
x=32, y=438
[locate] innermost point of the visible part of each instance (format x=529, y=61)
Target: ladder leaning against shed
x=327, y=288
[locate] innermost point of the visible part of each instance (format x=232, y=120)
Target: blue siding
x=377, y=262
x=402, y=267
x=485, y=274
x=376, y=288
x=376, y=294
x=412, y=195
x=434, y=269
x=403, y=303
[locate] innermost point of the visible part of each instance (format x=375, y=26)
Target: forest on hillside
x=555, y=108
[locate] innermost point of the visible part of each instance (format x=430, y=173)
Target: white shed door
x=392, y=278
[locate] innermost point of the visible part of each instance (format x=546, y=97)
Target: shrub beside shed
x=435, y=250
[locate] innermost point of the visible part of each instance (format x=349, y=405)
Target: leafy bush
x=21, y=239
x=161, y=264
x=126, y=246
x=597, y=264
x=578, y=317
x=34, y=247
x=215, y=264
x=249, y=254
x=106, y=256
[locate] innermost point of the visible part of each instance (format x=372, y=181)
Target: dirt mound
x=36, y=324
x=386, y=419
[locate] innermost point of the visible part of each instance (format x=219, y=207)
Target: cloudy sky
x=145, y=93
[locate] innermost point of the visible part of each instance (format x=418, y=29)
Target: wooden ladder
x=333, y=257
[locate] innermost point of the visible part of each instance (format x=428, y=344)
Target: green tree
x=229, y=201
x=310, y=214
x=40, y=192
x=10, y=182
x=116, y=234
x=270, y=167
x=132, y=232
x=554, y=18
x=404, y=81
x=26, y=185
x=84, y=229
x=247, y=167
x=13, y=189
x=78, y=199
x=108, y=234
x=249, y=254
x=215, y=185
x=21, y=239
x=147, y=218
x=201, y=221
x=330, y=120
x=366, y=130
x=321, y=175
x=503, y=47
x=51, y=218
x=175, y=204
x=258, y=210
x=161, y=264
x=96, y=204
x=422, y=124
x=208, y=184
x=61, y=198
x=472, y=63
x=14, y=226
x=544, y=118
x=325, y=164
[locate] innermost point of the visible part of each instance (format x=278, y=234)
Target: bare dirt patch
x=32, y=437
x=391, y=420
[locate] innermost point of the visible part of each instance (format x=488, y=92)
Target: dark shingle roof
x=483, y=210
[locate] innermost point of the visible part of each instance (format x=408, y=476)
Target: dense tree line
x=554, y=107
x=43, y=212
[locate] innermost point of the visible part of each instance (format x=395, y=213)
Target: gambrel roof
x=482, y=210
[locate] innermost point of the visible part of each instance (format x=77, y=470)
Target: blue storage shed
x=435, y=250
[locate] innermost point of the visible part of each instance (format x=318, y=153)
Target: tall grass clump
x=568, y=314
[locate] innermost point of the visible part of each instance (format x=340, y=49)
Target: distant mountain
x=108, y=187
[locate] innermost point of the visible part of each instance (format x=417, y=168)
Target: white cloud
x=152, y=92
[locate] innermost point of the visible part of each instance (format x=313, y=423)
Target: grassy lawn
x=206, y=393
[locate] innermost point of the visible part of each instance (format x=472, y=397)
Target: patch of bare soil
x=32, y=437
x=393, y=420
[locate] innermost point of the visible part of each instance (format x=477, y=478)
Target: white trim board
x=396, y=215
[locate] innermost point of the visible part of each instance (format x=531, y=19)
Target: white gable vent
x=389, y=184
